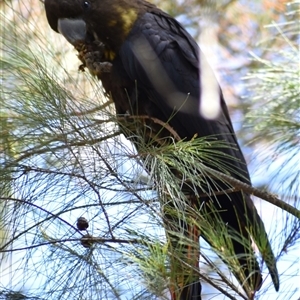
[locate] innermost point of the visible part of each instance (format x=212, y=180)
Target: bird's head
x=107, y=21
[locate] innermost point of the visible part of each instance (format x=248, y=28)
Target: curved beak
x=74, y=30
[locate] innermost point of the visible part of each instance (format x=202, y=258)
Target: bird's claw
x=92, y=59
x=95, y=66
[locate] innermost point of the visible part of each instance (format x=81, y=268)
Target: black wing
x=164, y=61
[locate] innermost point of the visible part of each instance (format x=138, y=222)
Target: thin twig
x=92, y=240
x=155, y=120
x=254, y=191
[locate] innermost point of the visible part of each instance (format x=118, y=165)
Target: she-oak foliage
x=64, y=158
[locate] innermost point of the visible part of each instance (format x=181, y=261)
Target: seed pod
x=82, y=223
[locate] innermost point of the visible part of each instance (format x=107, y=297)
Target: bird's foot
x=95, y=66
x=92, y=59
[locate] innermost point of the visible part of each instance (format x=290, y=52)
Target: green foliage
x=275, y=91
x=62, y=157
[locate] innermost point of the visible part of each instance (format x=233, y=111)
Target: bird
x=155, y=73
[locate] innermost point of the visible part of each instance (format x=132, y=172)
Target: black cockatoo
x=153, y=69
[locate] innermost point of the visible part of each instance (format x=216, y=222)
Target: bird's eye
x=86, y=4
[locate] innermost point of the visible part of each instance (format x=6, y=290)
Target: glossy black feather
x=176, y=55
